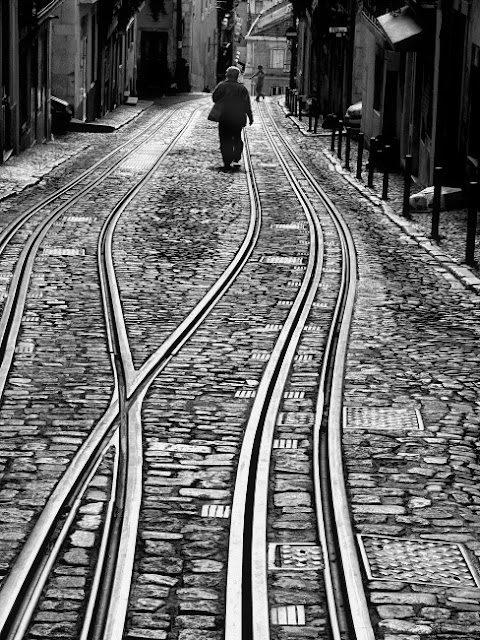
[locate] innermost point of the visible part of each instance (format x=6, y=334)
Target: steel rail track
x=247, y=593
x=12, y=313
x=328, y=427
x=11, y=229
x=329, y=480
x=246, y=596
x=14, y=614
x=32, y=553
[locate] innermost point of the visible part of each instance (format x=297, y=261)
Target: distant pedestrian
x=260, y=75
x=231, y=108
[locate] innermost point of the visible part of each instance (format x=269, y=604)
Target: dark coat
x=235, y=102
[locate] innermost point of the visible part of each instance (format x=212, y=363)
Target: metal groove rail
x=329, y=477
x=16, y=595
x=16, y=225
x=15, y=304
x=113, y=610
x=247, y=594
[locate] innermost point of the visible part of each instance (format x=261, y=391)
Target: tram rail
x=247, y=614
x=107, y=605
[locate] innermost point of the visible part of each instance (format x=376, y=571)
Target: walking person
x=260, y=75
x=231, y=109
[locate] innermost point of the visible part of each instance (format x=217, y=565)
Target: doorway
x=153, y=67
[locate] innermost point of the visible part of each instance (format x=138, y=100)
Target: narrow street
x=234, y=405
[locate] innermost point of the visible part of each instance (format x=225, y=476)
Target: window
x=277, y=57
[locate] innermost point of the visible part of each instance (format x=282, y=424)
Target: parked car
x=353, y=116
x=61, y=113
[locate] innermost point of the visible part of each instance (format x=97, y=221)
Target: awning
x=401, y=28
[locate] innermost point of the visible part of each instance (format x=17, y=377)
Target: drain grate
x=285, y=303
x=294, y=395
x=260, y=355
x=295, y=419
x=24, y=347
x=289, y=615
x=60, y=251
x=285, y=443
x=294, y=283
x=215, y=511
x=77, y=219
x=304, y=357
x=417, y=561
x=281, y=260
x=245, y=393
x=288, y=225
x=313, y=327
x=382, y=418
x=295, y=556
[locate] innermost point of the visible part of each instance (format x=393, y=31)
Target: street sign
x=291, y=33
x=337, y=29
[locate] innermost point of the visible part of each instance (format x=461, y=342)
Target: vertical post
x=406, y=186
x=332, y=145
x=361, y=142
x=315, y=126
x=347, y=147
x=371, y=162
x=437, y=194
x=310, y=118
x=340, y=138
x=287, y=90
x=471, y=223
x=386, y=168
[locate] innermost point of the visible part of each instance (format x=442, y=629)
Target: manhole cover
x=417, y=561
x=382, y=418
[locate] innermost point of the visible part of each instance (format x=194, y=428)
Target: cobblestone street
x=193, y=362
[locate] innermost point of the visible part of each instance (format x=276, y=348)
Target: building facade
x=267, y=46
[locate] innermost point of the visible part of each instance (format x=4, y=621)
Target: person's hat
x=233, y=73
x=260, y=66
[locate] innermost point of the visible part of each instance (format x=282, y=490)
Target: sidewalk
x=29, y=167
x=450, y=250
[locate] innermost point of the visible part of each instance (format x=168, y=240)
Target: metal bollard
x=406, y=187
x=386, y=164
x=348, y=133
x=437, y=194
x=371, y=162
x=471, y=223
x=315, y=125
x=310, y=118
x=361, y=142
x=332, y=145
x=300, y=107
x=340, y=138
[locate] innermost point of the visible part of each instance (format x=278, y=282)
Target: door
x=154, y=72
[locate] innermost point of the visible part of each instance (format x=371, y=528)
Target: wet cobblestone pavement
x=411, y=393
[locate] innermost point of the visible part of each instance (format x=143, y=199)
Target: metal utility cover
x=295, y=557
x=417, y=561
x=382, y=418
